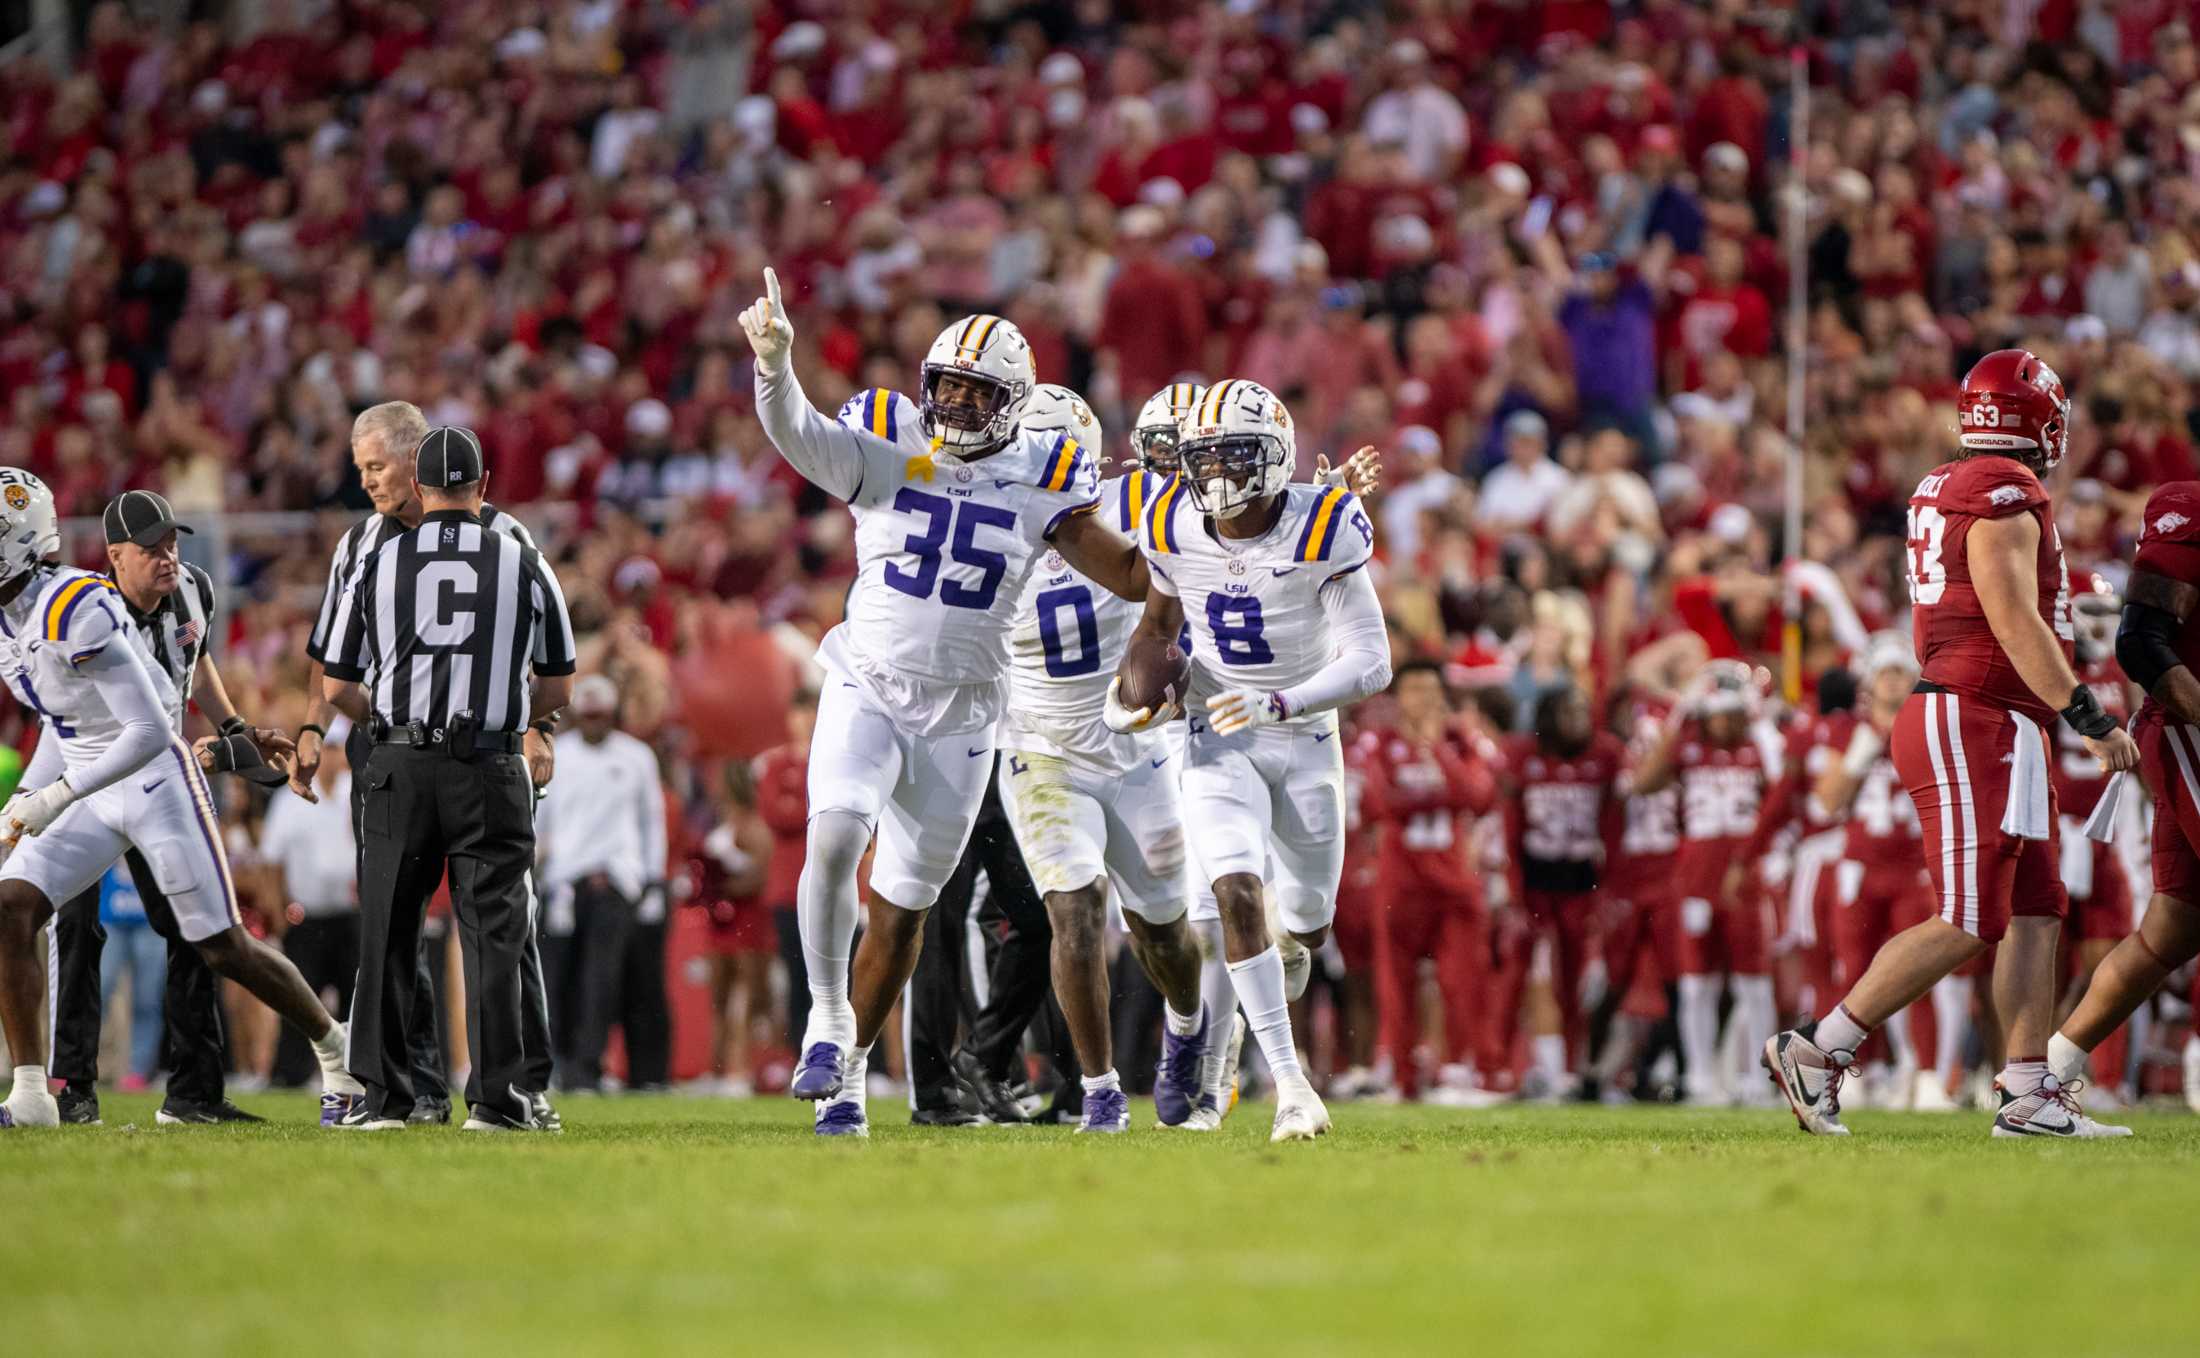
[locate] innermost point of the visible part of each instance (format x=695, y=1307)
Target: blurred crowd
x=1542, y=254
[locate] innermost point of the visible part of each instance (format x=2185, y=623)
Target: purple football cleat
x=1106, y=1110
x=7, y=1119
x=1176, y=1086
x=334, y=1106
x=819, y=1075
x=843, y=1118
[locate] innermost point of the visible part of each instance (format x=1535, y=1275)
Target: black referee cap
x=449, y=456
x=140, y=516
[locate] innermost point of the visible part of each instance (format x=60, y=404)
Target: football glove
x=770, y=334
x=1245, y=709
x=1126, y=721
x=29, y=813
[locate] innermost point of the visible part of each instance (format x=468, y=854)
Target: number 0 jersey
x=47, y=632
x=1254, y=605
x=1068, y=641
x=1955, y=646
x=943, y=546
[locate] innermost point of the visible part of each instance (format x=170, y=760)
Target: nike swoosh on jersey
x=148, y=787
x=1282, y=571
x=1159, y=762
x=975, y=753
x=1002, y=485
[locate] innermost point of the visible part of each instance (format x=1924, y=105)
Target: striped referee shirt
x=447, y=619
x=352, y=551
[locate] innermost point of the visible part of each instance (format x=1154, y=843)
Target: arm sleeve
x=46, y=763
x=1360, y=665
x=123, y=684
x=553, y=650
x=829, y=456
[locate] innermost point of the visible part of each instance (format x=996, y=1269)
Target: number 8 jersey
x=1955, y=645
x=1254, y=605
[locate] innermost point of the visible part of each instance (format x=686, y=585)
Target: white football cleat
x=2050, y=1110
x=1811, y=1080
x=32, y=1108
x=1232, y=1057
x=1929, y=1095
x=1300, y=1115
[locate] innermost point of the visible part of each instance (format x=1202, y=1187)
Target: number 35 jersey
x=943, y=548
x=1069, y=639
x=1254, y=605
x=1956, y=648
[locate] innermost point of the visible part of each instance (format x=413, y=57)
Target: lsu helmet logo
x=18, y=498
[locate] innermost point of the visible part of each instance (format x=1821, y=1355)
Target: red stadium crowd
x=1538, y=253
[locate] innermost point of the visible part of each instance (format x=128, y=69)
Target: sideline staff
x=451, y=617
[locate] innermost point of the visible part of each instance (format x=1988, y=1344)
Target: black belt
x=1926, y=686
x=424, y=737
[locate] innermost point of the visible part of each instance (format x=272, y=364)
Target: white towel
x=2101, y=825
x=2027, y=815
x=2077, y=860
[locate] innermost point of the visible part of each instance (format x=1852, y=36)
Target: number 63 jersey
x=1254, y=605
x=1956, y=648
x=943, y=548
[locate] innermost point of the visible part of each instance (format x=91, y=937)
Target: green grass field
x=683, y=1226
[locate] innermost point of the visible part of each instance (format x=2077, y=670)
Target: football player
x=1713, y=748
x=110, y=774
x=1641, y=883
x=1286, y=628
x=1091, y=808
x=1879, y=886
x=955, y=503
x=1990, y=613
x=2158, y=646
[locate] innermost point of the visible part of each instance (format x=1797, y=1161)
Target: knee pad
x=1302, y=910
x=836, y=842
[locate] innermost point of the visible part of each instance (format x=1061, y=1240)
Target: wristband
x=547, y=725
x=2085, y=715
x=233, y=725
x=315, y=728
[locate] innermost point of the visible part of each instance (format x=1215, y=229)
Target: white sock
x=1105, y=1080
x=1951, y=1015
x=826, y=909
x=1698, y=1022
x=1549, y=1055
x=2022, y=1077
x=328, y=1049
x=2066, y=1059
x=1840, y=1032
x=1258, y=981
x=1216, y=992
x=30, y=1083
x=1183, y=1025
x=1897, y=1030
x=854, y=1084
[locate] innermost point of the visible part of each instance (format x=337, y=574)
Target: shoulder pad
x=2172, y=514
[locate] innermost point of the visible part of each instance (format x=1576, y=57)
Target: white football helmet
x=1730, y=686
x=1057, y=407
x=29, y=531
x=1236, y=448
x=987, y=362
x=1153, y=438
x=2098, y=613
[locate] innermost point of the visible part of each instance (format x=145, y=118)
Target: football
x=1151, y=673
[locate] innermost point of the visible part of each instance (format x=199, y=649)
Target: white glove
x=1245, y=709
x=1863, y=752
x=29, y=813
x=770, y=334
x=1126, y=721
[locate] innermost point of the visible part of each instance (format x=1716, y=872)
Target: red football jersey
x=1883, y=831
x=1363, y=830
x=1563, y=808
x=2169, y=546
x=1651, y=838
x=1429, y=796
x=2079, y=778
x=1955, y=646
x=1722, y=793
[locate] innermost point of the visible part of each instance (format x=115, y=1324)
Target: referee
x=448, y=618
x=383, y=441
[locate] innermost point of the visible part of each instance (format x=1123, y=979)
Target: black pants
x=789, y=926
x=941, y=998
x=325, y=949
x=612, y=972
x=191, y=1009
x=419, y=812
x=429, y=1034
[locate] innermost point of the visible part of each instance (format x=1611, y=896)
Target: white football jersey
x=944, y=546
x=63, y=619
x=1068, y=641
x=1253, y=606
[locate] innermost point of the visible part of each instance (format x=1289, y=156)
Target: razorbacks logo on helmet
x=2167, y=523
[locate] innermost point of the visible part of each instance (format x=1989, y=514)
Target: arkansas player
x=1564, y=783
x=2093, y=874
x=1990, y=612
x=1425, y=783
x=1708, y=747
x=1879, y=887
x=1641, y=884
x=2158, y=645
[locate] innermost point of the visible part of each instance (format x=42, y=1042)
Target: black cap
x=449, y=456
x=141, y=517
